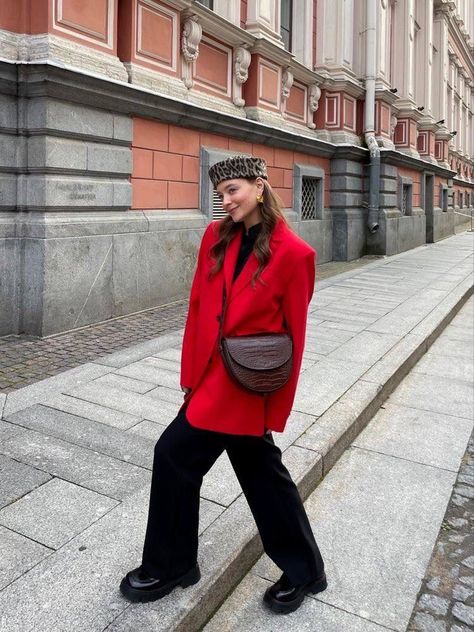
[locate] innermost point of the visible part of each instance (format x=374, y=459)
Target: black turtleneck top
x=246, y=247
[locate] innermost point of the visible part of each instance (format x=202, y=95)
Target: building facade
x=112, y=111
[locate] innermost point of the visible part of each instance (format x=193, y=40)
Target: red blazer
x=216, y=402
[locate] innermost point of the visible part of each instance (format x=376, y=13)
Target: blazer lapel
x=230, y=260
x=251, y=264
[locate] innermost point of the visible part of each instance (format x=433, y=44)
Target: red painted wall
x=166, y=165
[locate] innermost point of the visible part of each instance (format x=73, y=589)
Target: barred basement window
x=308, y=187
x=309, y=198
x=405, y=195
x=405, y=199
x=444, y=198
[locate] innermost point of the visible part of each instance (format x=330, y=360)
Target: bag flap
x=260, y=352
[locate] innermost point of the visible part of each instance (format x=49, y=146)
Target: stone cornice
x=219, y=27
x=49, y=80
x=342, y=84
x=275, y=53
x=394, y=157
x=384, y=94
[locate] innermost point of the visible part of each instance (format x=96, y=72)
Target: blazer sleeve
x=295, y=304
x=191, y=327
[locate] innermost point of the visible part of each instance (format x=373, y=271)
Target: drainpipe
x=369, y=123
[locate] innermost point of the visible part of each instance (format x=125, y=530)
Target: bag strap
x=222, y=315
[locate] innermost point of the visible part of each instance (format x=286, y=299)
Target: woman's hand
x=186, y=390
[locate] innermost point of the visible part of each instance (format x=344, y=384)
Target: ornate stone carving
x=242, y=59
x=241, y=64
x=286, y=83
x=393, y=125
x=314, y=94
x=192, y=33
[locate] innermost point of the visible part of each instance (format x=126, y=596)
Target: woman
x=268, y=273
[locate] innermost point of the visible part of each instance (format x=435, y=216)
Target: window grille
x=217, y=210
x=405, y=195
x=444, y=198
x=405, y=199
x=309, y=197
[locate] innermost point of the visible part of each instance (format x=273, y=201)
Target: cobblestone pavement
x=445, y=602
x=25, y=360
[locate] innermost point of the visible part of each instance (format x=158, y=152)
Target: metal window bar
x=217, y=209
x=309, y=198
x=405, y=199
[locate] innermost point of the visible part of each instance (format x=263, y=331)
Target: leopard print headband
x=238, y=167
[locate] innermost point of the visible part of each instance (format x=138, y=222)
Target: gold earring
x=259, y=199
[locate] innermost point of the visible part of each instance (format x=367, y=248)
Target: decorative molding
x=191, y=37
x=62, y=51
x=314, y=94
x=80, y=31
x=148, y=56
x=242, y=59
x=286, y=83
x=207, y=83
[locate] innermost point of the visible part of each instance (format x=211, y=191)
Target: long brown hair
x=271, y=211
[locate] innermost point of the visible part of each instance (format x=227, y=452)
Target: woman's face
x=239, y=199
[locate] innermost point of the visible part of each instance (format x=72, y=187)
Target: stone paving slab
x=322, y=385
x=17, y=479
x=437, y=394
x=42, y=391
x=125, y=357
x=99, y=438
x=93, y=411
x=75, y=464
x=402, y=432
x=140, y=406
x=143, y=370
x=125, y=383
x=18, y=554
x=453, y=367
x=312, y=616
x=55, y=512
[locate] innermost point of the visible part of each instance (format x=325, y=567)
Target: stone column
x=335, y=38
x=404, y=53
x=424, y=60
x=440, y=64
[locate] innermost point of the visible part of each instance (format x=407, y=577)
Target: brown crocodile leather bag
x=260, y=363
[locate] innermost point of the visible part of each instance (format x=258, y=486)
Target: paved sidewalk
x=25, y=360
x=76, y=449
x=377, y=514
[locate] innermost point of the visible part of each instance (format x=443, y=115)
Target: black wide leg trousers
x=183, y=455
